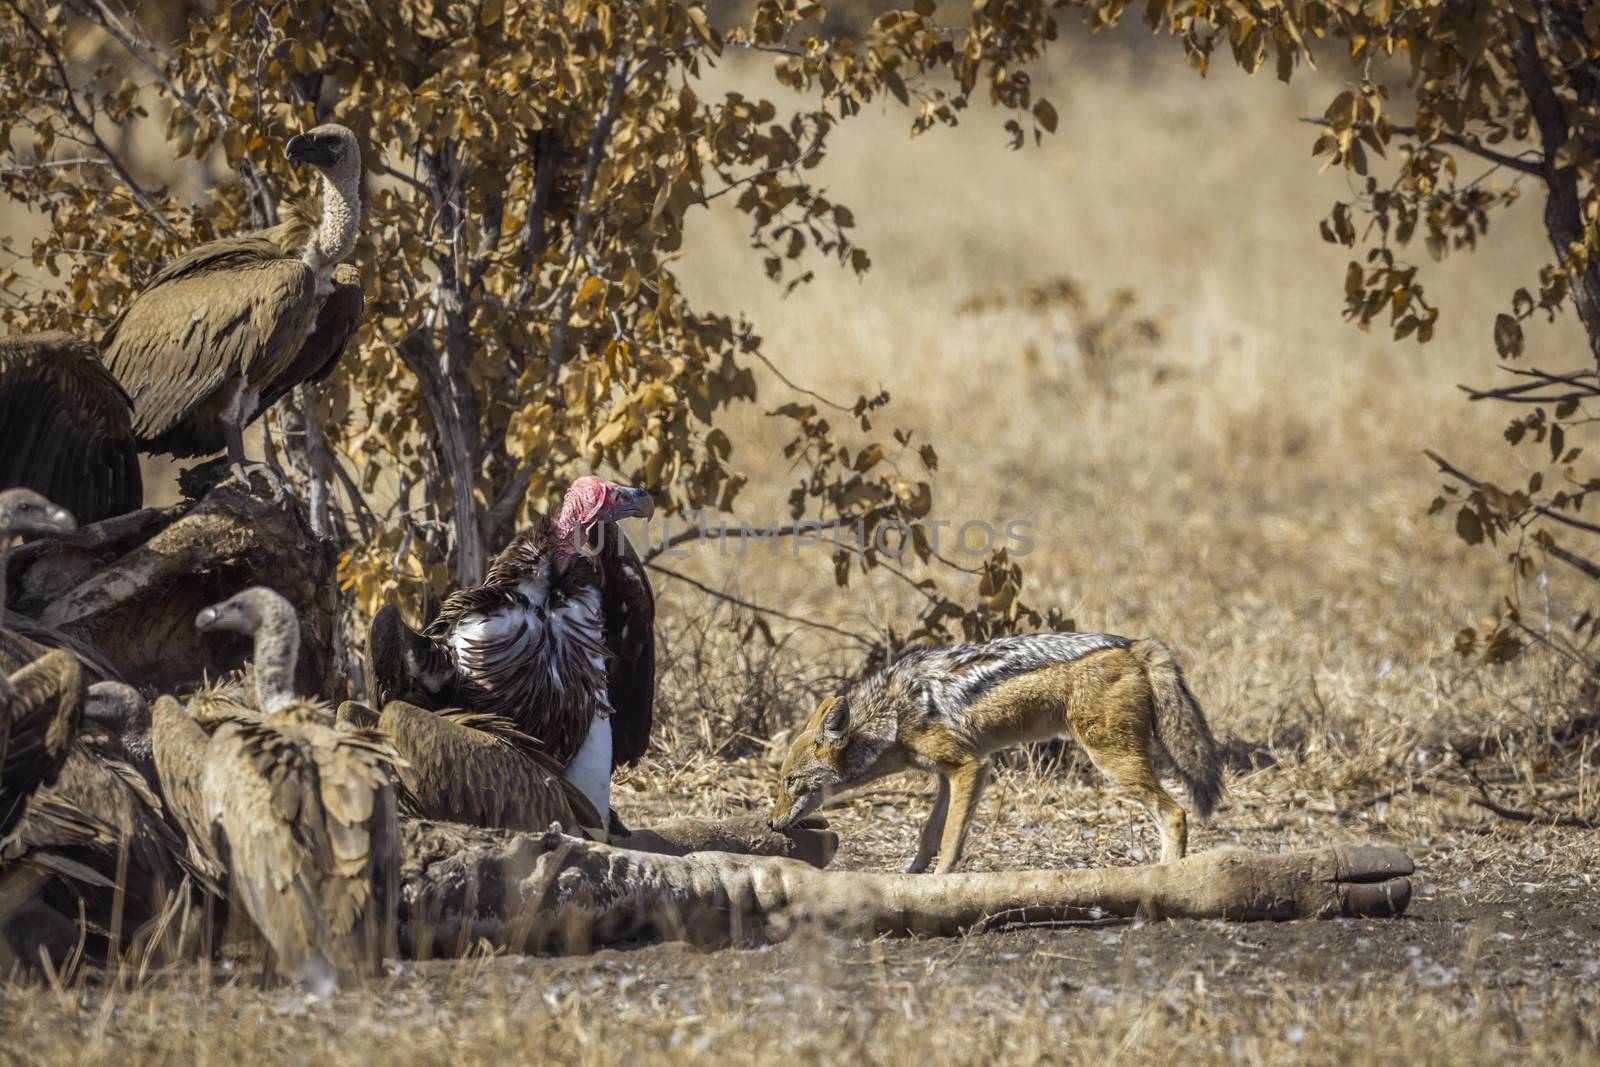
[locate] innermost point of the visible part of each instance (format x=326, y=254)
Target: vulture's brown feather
x=232, y=312
x=37, y=726
x=224, y=330
x=65, y=427
x=178, y=744
x=307, y=814
x=480, y=769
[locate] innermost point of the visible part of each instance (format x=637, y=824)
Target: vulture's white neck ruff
x=335, y=238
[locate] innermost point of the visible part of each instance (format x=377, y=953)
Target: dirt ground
x=1498, y=959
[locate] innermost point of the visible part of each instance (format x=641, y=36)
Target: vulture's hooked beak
x=310, y=148
x=60, y=520
x=45, y=522
x=640, y=504
x=206, y=619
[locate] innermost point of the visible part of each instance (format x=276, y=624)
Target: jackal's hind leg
x=1135, y=772
x=966, y=785
x=1172, y=822
x=932, y=830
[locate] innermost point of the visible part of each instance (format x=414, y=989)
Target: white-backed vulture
x=474, y=768
x=97, y=780
x=560, y=639
x=66, y=427
x=300, y=811
x=40, y=712
x=224, y=330
x=97, y=838
x=178, y=744
x=23, y=512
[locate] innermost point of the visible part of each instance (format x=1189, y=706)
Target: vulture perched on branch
x=223, y=331
x=66, y=427
x=559, y=639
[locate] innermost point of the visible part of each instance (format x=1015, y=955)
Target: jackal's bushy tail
x=1181, y=728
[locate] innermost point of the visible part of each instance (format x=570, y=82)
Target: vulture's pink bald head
x=590, y=501
x=585, y=500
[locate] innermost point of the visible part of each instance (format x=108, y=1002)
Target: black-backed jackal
x=946, y=710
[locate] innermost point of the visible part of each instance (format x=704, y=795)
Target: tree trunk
x=1563, y=209
x=457, y=449
x=315, y=453
x=529, y=891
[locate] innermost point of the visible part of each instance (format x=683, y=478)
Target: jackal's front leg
x=966, y=785
x=932, y=830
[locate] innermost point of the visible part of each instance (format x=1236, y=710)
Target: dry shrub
x=728, y=679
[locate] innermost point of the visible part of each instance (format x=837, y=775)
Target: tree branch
x=1575, y=561
x=135, y=44
x=76, y=114
x=1582, y=382
x=316, y=453
x=358, y=503
x=1563, y=208
x=751, y=606
x=510, y=498
x=816, y=143
x=791, y=530
x=1445, y=467
x=599, y=137
x=1499, y=159
x=1488, y=803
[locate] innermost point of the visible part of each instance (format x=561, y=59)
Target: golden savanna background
x=1130, y=338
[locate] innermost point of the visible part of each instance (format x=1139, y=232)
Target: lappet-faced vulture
x=223, y=331
x=560, y=639
x=65, y=427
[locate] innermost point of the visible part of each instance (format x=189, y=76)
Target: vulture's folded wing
x=629, y=607
x=234, y=307
x=38, y=722
x=403, y=664
x=65, y=427
x=179, y=746
x=336, y=324
x=261, y=791
x=480, y=769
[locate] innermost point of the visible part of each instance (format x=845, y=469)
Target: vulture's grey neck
x=335, y=237
x=277, y=647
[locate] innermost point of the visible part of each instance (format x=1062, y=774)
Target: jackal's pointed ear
x=834, y=720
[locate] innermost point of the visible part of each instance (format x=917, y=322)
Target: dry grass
x=1259, y=504
x=613, y=1011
